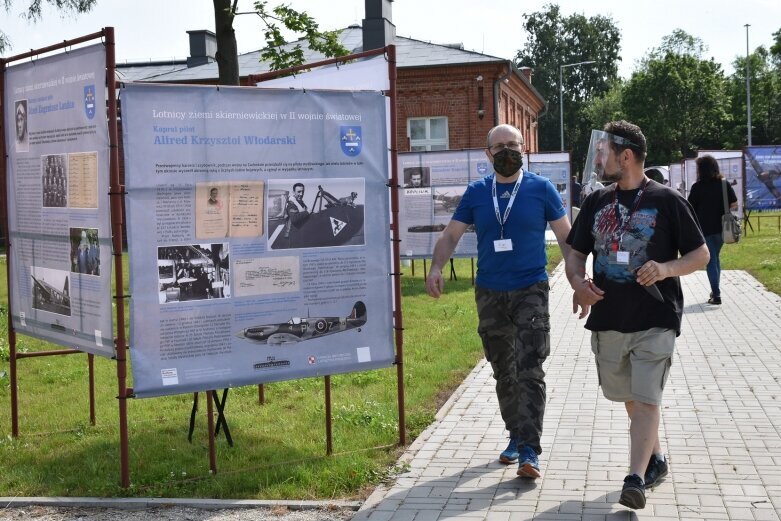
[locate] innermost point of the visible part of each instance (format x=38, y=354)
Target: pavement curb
x=144, y=503
x=381, y=490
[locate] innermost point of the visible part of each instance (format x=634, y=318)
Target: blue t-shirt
x=536, y=203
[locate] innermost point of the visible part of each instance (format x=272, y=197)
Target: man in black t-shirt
x=635, y=229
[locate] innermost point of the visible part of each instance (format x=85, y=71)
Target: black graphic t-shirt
x=657, y=225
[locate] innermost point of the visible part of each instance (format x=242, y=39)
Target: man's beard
x=613, y=177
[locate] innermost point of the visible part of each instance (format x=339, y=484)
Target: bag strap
x=724, y=195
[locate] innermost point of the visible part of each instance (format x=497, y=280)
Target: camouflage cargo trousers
x=515, y=330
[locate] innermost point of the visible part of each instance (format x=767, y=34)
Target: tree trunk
x=227, y=52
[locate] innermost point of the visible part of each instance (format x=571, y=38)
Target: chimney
x=203, y=47
x=378, y=31
x=528, y=72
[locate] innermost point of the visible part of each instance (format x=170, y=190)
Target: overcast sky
x=155, y=29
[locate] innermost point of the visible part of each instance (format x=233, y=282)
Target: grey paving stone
x=721, y=427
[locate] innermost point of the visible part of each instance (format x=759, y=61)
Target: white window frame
x=427, y=143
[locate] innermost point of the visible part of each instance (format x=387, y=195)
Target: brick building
x=447, y=98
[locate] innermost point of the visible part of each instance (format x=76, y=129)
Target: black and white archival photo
x=193, y=272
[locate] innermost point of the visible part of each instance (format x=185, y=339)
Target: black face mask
x=507, y=162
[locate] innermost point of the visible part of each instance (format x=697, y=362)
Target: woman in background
x=708, y=202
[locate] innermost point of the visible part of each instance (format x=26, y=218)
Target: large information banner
x=258, y=235
x=555, y=167
x=58, y=203
x=433, y=184
x=676, y=178
x=763, y=177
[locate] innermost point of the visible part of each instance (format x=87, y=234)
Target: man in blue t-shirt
x=510, y=211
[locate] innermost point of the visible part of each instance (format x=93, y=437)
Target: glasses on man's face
x=512, y=145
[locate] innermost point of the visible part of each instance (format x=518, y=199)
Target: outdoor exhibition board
x=258, y=235
x=435, y=182
x=763, y=177
x=676, y=177
x=689, y=175
x=58, y=202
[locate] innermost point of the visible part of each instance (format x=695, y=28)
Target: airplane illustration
x=299, y=329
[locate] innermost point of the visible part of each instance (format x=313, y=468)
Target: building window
x=427, y=134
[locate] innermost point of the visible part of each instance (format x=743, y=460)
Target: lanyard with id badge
x=503, y=244
x=617, y=253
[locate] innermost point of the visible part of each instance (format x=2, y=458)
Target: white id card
x=503, y=245
x=622, y=257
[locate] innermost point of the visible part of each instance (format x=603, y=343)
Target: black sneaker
x=656, y=471
x=633, y=493
x=715, y=300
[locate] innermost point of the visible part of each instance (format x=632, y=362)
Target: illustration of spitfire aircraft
x=299, y=329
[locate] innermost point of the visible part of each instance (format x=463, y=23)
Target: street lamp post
x=748, y=88
x=561, y=96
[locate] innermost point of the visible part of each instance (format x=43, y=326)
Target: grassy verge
x=758, y=252
x=279, y=447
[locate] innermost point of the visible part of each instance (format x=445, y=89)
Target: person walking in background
x=511, y=288
x=635, y=229
x=576, y=191
x=707, y=199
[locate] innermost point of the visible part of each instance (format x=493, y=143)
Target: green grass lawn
x=279, y=449
x=759, y=251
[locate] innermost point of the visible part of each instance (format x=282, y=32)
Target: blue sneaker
x=528, y=463
x=510, y=454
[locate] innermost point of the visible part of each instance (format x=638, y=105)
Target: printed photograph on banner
x=55, y=181
x=85, y=251
x=20, y=116
x=315, y=213
x=299, y=329
x=211, y=210
x=266, y=276
x=446, y=199
x=51, y=290
x=193, y=272
x=233, y=209
x=417, y=177
x=427, y=228
x=83, y=180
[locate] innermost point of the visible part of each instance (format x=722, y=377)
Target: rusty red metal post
x=398, y=322
x=117, y=200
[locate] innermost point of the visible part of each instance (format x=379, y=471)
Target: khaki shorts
x=633, y=366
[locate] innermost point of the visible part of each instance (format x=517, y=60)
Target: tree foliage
x=275, y=20
x=34, y=12
x=277, y=51
x=608, y=107
x=678, y=99
x=765, y=82
x=554, y=40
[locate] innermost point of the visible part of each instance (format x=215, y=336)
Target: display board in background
x=689, y=175
x=763, y=177
x=433, y=184
x=58, y=203
x=258, y=235
x=676, y=177
x=556, y=167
